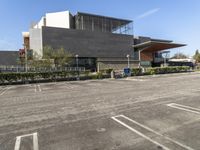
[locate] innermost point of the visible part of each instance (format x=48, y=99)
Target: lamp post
x=77, y=68
x=128, y=60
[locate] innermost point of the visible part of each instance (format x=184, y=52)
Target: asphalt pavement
x=150, y=113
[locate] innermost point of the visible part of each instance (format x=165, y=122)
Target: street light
x=77, y=68
x=128, y=60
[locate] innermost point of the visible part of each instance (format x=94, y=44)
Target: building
x=100, y=42
x=9, y=58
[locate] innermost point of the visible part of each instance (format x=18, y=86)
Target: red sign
x=21, y=52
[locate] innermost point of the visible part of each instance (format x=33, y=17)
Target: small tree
x=179, y=56
x=52, y=57
x=61, y=57
x=197, y=56
x=45, y=62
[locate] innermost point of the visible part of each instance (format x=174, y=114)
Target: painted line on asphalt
x=155, y=132
x=184, y=107
x=139, y=133
x=5, y=90
x=35, y=141
x=35, y=88
x=38, y=88
x=17, y=143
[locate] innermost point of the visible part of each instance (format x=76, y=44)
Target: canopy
x=153, y=46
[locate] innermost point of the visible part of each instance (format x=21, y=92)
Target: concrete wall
x=116, y=65
x=41, y=23
x=58, y=19
x=36, y=42
x=9, y=58
x=87, y=43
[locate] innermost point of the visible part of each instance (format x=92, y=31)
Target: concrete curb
x=162, y=75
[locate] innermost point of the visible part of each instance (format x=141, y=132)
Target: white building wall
x=40, y=23
x=58, y=19
x=36, y=42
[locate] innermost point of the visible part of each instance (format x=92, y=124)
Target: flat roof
x=153, y=46
x=101, y=16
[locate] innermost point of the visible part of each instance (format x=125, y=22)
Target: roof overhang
x=153, y=46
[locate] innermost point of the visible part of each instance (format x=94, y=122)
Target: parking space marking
x=139, y=133
x=149, y=129
x=3, y=91
x=184, y=107
x=38, y=88
x=35, y=141
x=129, y=79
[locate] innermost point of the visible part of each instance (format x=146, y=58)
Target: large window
x=104, y=24
x=87, y=63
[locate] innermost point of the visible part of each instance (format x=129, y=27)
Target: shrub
x=149, y=71
x=136, y=71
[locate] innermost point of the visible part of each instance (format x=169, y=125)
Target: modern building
x=100, y=42
x=9, y=58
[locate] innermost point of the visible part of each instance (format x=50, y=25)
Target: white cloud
x=148, y=13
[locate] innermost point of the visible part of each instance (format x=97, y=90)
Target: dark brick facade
x=9, y=58
x=87, y=43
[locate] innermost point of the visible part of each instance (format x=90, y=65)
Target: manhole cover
x=101, y=129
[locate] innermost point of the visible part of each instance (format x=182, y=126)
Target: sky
x=177, y=20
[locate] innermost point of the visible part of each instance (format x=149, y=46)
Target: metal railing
x=34, y=69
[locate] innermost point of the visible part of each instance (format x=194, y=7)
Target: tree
x=45, y=62
x=52, y=57
x=60, y=56
x=197, y=56
x=179, y=56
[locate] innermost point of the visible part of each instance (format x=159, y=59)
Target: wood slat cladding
x=146, y=56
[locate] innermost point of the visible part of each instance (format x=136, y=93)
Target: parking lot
x=139, y=113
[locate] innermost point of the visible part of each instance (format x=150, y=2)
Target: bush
x=7, y=78
x=150, y=71
x=159, y=70
x=136, y=71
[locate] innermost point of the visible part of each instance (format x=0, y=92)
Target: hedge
x=22, y=77
x=164, y=70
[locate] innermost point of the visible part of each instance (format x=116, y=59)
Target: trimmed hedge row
x=22, y=77
x=159, y=70
x=9, y=78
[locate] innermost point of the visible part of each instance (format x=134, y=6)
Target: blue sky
x=177, y=20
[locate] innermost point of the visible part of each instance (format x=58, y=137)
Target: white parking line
x=132, y=79
x=155, y=132
x=139, y=133
x=149, y=129
x=37, y=88
x=35, y=141
x=184, y=107
x=17, y=143
x=4, y=90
